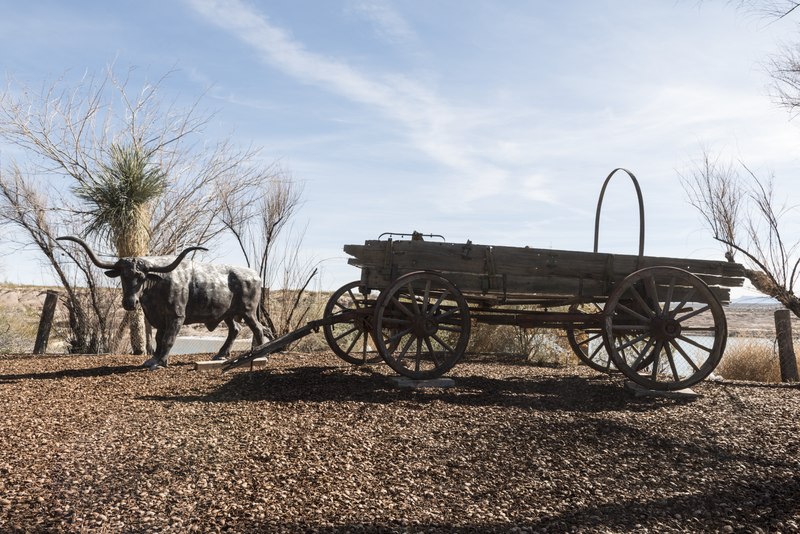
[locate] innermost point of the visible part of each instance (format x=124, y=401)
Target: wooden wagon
x=659, y=321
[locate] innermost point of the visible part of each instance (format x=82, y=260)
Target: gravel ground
x=97, y=444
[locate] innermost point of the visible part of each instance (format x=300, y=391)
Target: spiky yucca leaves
x=119, y=200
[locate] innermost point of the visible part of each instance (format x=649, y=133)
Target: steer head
x=133, y=272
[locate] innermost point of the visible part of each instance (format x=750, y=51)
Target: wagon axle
x=665, y=329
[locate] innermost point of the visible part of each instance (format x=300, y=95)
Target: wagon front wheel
x=422, y=325
x=664, y=328
x=351, y=338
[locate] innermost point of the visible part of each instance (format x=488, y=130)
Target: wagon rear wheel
x=587, y=343
x=664, y=328
x=422, y=325
x=351, y=339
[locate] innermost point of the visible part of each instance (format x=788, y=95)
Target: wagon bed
x=501, y=274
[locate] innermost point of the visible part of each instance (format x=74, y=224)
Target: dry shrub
x=17, y=331
x=538, y=346
x=751, y=359
x=292, y=309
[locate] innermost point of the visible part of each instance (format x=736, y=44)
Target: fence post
x=788, y=361
x=45, y=322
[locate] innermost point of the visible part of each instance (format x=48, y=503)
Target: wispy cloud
x=388, y=24
x=434, y=126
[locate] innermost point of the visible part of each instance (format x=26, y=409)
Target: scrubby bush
x=540, y=346
x=17, y=331
x=751, y=359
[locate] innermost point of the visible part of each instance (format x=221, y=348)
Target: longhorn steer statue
x=173, y=293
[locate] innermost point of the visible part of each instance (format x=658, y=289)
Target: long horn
x=177, y=261
x=101, y=264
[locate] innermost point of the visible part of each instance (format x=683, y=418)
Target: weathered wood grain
x=488, y=269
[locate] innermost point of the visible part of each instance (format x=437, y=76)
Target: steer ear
x=113, y=273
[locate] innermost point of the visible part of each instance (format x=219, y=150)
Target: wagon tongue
x=282, y=342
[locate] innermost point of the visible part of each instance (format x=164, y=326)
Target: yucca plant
x=119, y=200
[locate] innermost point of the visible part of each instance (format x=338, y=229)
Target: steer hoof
x=150, y=363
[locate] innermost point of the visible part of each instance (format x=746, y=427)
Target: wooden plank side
x=569, y=261
x=407, y=256
x=480, y=259
x=521, y=271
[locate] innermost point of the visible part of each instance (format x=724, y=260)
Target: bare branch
x=727, y=201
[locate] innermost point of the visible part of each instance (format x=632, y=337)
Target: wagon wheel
x=422, y=325
x=587, y=343
x=351, y=339
x=664, y=328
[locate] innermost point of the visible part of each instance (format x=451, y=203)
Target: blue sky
x=483, y=120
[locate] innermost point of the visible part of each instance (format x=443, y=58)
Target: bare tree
x=739, y=207
x=67, y=134
x=269, y=246
x=770, y=9
x=741, y=211
x=784, y=65
x=25, y=208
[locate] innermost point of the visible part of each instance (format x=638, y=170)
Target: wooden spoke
x=588, y=344
x=399, y=335
x=645, y=306
x=671, y=360
x=405, y=348
x=685, y=356
x=691, y=341
x=693, y=314
x=656, y=360
x=426, y=297
x=641, y=355
x=680, y=306
x=402, y=307
x=635, y=314
x=670, y=291
x=631, y=342
x=441, y=342
x=438, y=303
x=346, y=333
x=352, y=344
x=432, y=352
x=652, y=293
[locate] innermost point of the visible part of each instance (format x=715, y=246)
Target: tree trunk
x=137, y=331
x=134, y=241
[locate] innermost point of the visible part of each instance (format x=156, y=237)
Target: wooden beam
x=210, y=365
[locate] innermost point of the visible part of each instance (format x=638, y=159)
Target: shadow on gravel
x=324, y=384
x=756, y=503
x=763, y=504
x=92, y=372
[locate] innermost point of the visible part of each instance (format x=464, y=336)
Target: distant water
x=204, y=344
x=755, y=301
